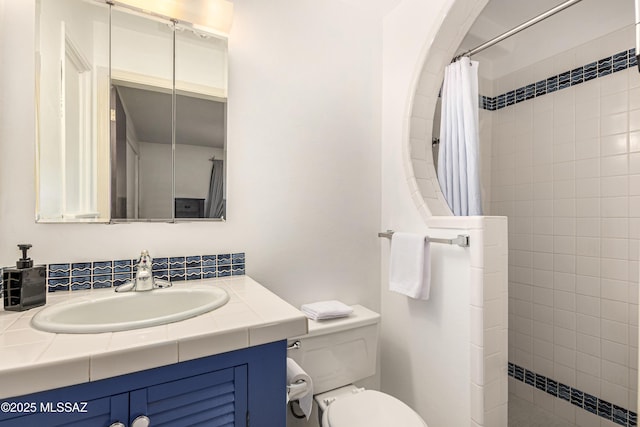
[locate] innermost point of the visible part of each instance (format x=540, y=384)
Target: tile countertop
x=32, y=360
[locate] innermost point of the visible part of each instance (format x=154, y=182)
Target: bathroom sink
x=130, y=310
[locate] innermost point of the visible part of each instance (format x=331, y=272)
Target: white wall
x=155, y=180
x=567, y=174
x=445, y=357
x=303, y=153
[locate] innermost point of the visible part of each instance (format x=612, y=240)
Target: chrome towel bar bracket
x=462, y=240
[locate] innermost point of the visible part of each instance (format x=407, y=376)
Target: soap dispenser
x=24, y=286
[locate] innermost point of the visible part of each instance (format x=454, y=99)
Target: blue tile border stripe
x=576, y=397
x=106, y=274
x=600, y=68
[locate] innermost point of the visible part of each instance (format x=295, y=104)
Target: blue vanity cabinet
x=33, y=410
x=215, y=399
x=243, y=388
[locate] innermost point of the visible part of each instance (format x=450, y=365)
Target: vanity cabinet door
x=214, y=399
x=63, y=413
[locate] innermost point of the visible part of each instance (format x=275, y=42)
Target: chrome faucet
x=144, y=280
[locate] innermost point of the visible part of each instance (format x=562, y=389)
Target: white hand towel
x=323, y=310
x=299, y=387
x=409, y=265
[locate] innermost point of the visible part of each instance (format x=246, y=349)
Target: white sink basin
x=129, y=310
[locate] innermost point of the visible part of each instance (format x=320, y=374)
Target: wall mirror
x=131, y=116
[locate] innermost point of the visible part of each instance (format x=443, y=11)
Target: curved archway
x=418, y=163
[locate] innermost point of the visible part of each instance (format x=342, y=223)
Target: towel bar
x=462, y=240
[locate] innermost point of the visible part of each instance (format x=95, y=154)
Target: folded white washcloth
x=323, y=310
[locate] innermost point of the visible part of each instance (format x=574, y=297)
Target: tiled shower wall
x=565, y=169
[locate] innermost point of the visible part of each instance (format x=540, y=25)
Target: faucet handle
x=145, y=258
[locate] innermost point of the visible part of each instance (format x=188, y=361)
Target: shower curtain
x=215, y=201
x=458, y=157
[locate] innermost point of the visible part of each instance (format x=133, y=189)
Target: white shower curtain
x=458, y=156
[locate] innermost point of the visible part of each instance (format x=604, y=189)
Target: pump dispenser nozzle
x=25, y=261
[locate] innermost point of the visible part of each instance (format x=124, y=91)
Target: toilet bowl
x=351, y=406
x=336, y=353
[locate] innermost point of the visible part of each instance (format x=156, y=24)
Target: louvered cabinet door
x=215, y=399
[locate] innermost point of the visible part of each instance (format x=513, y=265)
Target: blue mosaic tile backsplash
x=600, y=68
x=105, y=274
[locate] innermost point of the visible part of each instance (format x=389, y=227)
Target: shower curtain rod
x=517, y=29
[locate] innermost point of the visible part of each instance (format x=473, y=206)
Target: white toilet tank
x=339, y=352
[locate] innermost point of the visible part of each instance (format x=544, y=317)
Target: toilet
x=336, y=353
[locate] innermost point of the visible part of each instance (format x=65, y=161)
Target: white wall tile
x=615, y=352
x=617, y=290
x=615, y=248
x=565, y=356
x=565, y=319
x=614, y=165
x=588, y=207
x=634, y=120
x=588, y=246
x=586, y=129
x=614, y=123
x=614, y=103
x=615, y=331
x=565, y=410
x=615, y=227
x=587, y=148
x=617, y=82
x=634, y=206
x=615, y=207
x=543, y=313
x=588, y=325
x=588, y=285
x=615, y=310
x=588, y=305
x=564, y=300
x=634, y=163
x=634, y=141
x=614, y=144
x=588, y=168
x=587, y=187
x=616, y=269
x=588, y=344
x=612, y=186
x=587, y=419
x=574, y=223
x=564, y=281
x=565, y=339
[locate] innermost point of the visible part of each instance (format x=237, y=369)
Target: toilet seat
x=370, y=408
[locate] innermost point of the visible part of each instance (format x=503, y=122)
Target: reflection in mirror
x=199, y=147
x=141, y=59
x=72, y=83
x=200, y=150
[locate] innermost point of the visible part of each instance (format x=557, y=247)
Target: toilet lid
x=371, y=408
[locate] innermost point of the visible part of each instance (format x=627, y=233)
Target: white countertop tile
x=33, y=360
x=11, y=337
x=15, y=356
x=85, y=345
